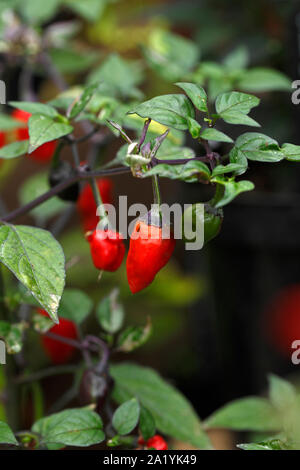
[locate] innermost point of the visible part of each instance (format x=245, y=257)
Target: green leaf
x=134, y=337
x=291, y=152
x=214, y=134
x=90, y=10
x=172, y=413
x=34, y=187
x=126, y=417
x=35, y=108
x=283, y=395
x=8, y=123
x=72, y=61
x=12, y=335
x=37, y=12
x=190, y=172
x=173, y=152
x=253, y=446
x=119, y=77
x=170, y=55
x=75, y=305
x=194, y=128
x=237, y=59
x=261, y=79
x=257, y=147
x=196, y=94
x=16, y=149
x=83, y=101
x=41, y=324
x=147, y=424
x=245, y=414
x=271, y=444
x=234, y=106
x=78, y=427
x=232, y=189
x=37, y=260
x=43, y=129
x=171, y=110
x=110, y=313
x=230, y=168
x=7, y=435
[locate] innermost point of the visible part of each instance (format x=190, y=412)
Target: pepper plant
x=122, y=404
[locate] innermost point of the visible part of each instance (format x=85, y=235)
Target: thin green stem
x=97, y=196
x=55, y=158
x=75, y=154
x=156, y=190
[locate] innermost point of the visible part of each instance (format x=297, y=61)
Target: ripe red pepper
x=282, y=319
x=86, y=204
x=107, y=249
x=59, y=352
x=156, y=442
x=2, y=143
x=148, y=254
x=42, y=154
x=2, y=139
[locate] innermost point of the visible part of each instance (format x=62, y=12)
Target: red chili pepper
x=42, y=154
x=2, y=139
x=2, y=143
x=86, y=204
x=282, y=319
x=107, y=249
x=155, y=442
x=148, y=254
x=57, y=351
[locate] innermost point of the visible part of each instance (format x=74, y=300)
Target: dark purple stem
x=105, y=352
x=81, y=175
x=62, y=339
x=144, y=133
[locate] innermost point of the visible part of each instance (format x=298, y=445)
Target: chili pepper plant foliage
x=123, y=404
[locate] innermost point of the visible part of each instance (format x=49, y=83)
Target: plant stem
x=55, y=158
x=102, y=214
x=103, y=364
x=56, y=370
x=62, y=339
x=81, y=175
x=144, y=133
x=178, y=161
x=75, y=153
x=156, y=190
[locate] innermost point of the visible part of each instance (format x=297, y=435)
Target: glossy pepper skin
x=86, y=204
x=59, y=352
x=2, y=139
x=156, y=442
x=147, y=255
x=107, y=249
x=42, y=154
x=2, y=143
x=59, y=174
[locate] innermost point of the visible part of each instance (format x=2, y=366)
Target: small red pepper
x=2, y=143
x=156, y=442
x=148, y=253
x=107, y=249
x=2, y=139
x=42, y=154
x=86, y=204
x=59, y=352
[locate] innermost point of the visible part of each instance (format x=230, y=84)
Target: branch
x=82, y=174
